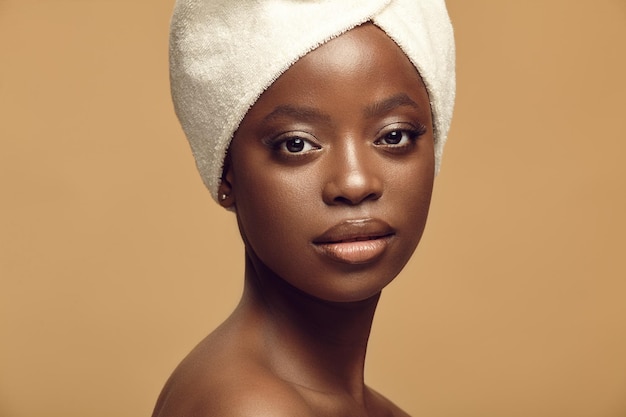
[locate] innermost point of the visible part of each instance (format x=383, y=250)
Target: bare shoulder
x=210, y=382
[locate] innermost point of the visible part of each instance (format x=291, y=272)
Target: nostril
x=355, y=200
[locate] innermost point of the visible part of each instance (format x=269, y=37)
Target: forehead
x=360, y=67
x=364, y=47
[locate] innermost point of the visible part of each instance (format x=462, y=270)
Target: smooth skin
x=330, y=175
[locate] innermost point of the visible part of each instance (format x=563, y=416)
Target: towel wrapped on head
x=225, y=53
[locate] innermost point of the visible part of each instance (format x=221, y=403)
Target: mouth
x=355, y=241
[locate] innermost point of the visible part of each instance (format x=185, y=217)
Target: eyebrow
x=310, y=114
x=383, y=107
x=307, y=114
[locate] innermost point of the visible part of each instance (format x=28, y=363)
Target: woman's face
x=331, y=171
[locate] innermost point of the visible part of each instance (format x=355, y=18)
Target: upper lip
x=355, y=229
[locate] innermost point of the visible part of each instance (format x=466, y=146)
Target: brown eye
x=295, y=145
x=397, y=137
x=393, y=138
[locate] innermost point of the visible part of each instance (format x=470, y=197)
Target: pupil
x=394, y=137
x=295, y=145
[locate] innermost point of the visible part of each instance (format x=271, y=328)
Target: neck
x=309, y=342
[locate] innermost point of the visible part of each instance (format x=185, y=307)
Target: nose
x=353, y=175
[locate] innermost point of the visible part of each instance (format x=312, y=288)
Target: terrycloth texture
x=225, y=53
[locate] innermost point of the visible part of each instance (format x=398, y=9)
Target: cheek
x=410, y=192
x=419, y=191
x=272, y=204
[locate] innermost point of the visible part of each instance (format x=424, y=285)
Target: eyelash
x=280, y=144
x=409, y=134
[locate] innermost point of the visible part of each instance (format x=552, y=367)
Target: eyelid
x=274, y=140
x=277, y=145
x=413, y=129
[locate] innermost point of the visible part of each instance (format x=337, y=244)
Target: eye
x=397, y=137
x=296, y=145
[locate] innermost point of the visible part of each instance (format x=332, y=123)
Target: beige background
x=114, y=261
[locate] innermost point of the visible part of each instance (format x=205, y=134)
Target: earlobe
x=225, y=190
x=224, y=194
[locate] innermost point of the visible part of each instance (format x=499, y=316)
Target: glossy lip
x=357, y=241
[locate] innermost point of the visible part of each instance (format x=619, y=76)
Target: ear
x=225, y=190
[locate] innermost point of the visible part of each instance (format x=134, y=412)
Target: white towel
x=225, y=53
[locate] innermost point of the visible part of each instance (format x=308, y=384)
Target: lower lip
x=358, y=252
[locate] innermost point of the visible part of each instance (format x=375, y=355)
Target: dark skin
x=330, y=175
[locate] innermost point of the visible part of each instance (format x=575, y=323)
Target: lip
x=357, y=241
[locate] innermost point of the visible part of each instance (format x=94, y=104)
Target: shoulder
x=223, y=387
x=233, y=397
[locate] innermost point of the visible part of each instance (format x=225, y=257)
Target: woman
x=336, y=138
